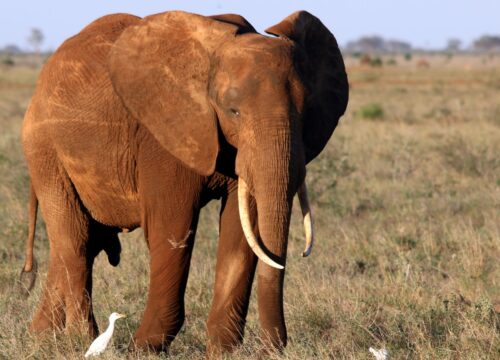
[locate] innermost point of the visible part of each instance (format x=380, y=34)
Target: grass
x=407, y=214
x=371, y=111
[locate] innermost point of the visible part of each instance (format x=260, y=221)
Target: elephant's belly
x=102, y=169
x=107, y=193
x=109, y=205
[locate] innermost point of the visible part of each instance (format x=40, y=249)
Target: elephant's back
x=111, y=24
x=74, y=83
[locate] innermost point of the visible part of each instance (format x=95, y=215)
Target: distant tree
x=397, y=46
x=36, y=40
x=12, y=49
x=453, y=45
x=372, y=43
x=366, y=44
x=487, y=43
x=377, y=44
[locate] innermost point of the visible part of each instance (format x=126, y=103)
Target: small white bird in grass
x=380, y=354
x=100, y=343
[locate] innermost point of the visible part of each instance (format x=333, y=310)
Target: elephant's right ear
x=243, y=25
x=160, y=69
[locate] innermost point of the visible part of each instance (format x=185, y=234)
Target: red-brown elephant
x=142, y=121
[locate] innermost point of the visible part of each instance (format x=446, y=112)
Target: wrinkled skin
x=141, y=122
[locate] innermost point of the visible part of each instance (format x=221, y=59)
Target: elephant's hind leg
x=66, y=298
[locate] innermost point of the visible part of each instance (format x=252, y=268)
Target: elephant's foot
x=155, y=343
x=216, y=350
x=49, y=317
x=47, y=321
x=225, y=334
x=155, y=335
x=274, y=340
x=71, y=313
x=81, y=323
x=217, y=347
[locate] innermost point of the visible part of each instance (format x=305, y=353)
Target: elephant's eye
x=235, y=112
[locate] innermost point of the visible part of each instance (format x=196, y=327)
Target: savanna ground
x=406, y=199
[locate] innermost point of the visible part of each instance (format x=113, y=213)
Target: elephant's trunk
x=243, y=201
x=274, y=192
x=277, y=173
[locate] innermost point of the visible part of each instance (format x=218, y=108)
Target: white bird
x=100, y=343
x=380, y=354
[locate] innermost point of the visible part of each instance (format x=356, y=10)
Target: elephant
x=140, y=122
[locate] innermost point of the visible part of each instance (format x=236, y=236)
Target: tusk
x=308, y=223
x=243, y=205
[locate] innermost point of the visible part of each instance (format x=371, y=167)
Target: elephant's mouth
x=244, y=205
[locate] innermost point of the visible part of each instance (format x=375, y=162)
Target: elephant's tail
x=28, y=273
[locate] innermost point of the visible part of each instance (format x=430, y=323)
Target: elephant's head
x=277, y=100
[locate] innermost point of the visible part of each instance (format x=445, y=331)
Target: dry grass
x=408, y=225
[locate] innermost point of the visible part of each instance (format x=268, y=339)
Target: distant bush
x=368, y=60
x=8, y=61
x=372, y=111
x=392, y=62
x=376, y=62
x=408, y=56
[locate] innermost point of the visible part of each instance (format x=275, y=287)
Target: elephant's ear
x=321, y=67
x=160, y=69
x=243, y=25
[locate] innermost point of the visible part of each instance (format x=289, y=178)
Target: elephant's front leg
x=233, y=282
x=170, y=243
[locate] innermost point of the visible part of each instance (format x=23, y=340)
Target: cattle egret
x=100, y=343
x=380, y=354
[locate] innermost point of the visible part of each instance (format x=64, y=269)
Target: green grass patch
x=372, y=111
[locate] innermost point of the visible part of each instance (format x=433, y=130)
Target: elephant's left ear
x=160, y=69
x=322, y=69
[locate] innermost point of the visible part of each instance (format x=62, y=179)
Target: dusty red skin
x=141, y=122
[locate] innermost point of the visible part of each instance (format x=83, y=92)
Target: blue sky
x=425, y=23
